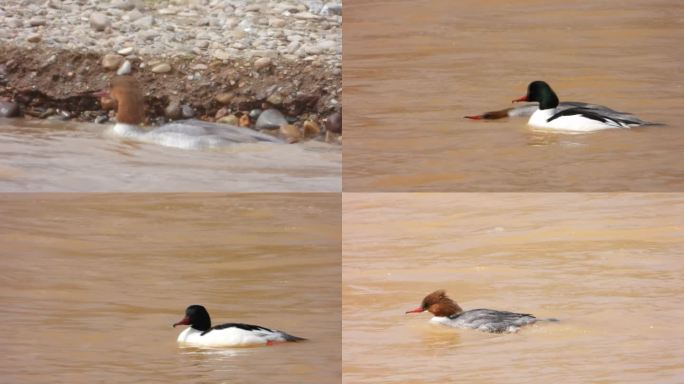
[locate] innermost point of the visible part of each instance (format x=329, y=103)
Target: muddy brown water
x=608, y=266
x=47, y=156
x=91, y=284
x=413, y=69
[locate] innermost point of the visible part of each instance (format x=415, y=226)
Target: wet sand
x=608, y=266
x=412, y=70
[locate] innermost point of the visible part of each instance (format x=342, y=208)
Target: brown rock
x=112, y=61
x=262, y=63
x=37, y=21
x=225, y=98
x=245, y=121
x=311, y=128
x=34, y=38
x=291, y=132
x=230, y=119
x=221, y=112
x=275, y=99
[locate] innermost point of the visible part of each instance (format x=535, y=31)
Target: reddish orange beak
x=185, y=321
x=524, y=98
x=417, y=310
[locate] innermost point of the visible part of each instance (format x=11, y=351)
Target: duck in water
x=185, y=134
x=447, y=312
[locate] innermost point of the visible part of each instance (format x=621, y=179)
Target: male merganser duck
x=202, y=334
x=447, y=312
x=565, y=116
x=187, y=134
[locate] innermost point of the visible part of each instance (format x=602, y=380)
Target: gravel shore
x=208, y=59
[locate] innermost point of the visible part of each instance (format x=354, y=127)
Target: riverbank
x=216, y=61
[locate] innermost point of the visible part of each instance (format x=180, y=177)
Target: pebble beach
x=211, y=60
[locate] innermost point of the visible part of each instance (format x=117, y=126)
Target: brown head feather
x=129, y=99
x=439, y=304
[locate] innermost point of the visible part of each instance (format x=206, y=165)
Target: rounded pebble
x=37, y=21
x=291, y=132
x=254, y=113
x=125, y=51
x=173, y=110
x=270, y=119
x=124, y=69
x=334, y=122
x=262, y=63
x=98, y=21
x=230, y=119
x=225, y=98
x=112, y=61
x=9, y=109
x=311, y=128
x=244, y=121
x=161, y=68
x=275, y=99
x=187, y=111
x=221, y=113
x=34, y=38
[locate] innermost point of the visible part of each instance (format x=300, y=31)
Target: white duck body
x=571, y=116
x=185, y=134
x=547, y=119
x=193, y=134
x=231, y=337
x=202, y=334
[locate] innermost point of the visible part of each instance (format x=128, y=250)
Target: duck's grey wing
x=226, y=132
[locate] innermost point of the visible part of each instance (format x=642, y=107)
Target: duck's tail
x=550, y=320
x=289, y=337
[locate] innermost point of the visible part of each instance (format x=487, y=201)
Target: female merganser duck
x=447, y=312
x=565, y=116
x=202, y=334
x=186, y=134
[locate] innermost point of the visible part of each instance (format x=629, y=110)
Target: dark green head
x=197, y=317
x=540, y=92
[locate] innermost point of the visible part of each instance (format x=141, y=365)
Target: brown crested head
x=439, y=304
x=129, y=99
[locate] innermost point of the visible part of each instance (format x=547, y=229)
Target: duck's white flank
x=229, y=337
x=575, y=123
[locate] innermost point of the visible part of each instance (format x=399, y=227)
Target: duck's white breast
x=444, y=321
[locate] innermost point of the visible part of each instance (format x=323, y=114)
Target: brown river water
x=91, y=284
x=413, y=69
x=609, y=267
x=46, y=156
